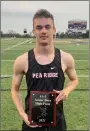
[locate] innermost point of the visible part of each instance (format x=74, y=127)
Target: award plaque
x=42, y=108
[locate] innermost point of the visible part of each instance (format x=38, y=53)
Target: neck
x=45, y=49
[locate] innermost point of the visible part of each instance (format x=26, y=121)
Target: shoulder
x=21, y=59
x=20, y=62
x=67, y=59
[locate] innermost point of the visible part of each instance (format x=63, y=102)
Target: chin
x=44, y=42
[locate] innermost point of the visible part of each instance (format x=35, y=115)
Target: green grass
x=8, y=43
x=75, y=108
x=6, y=64
x=10, y=117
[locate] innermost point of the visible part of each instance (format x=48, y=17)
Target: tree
x=62, y=35
x=1, y=33
x=57, y=35
x=86, y=35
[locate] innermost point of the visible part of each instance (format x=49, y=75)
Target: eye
x=48, y=27
x=39, y=27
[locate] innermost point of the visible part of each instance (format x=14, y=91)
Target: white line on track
x=75, y=50
x=81, y=60
x=80, y=53
x=7, y=60
x=8, y=39
x=83, y=76
x=80, y=76
x=14, y=60
x=16, y=45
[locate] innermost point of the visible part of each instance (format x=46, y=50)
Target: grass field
x=76, y=107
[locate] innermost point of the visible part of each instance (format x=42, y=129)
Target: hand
x=62, y=95
x=25, y=118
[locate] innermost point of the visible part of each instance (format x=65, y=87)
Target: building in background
x=77, y=27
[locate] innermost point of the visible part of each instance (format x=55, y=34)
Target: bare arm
x=18, y=72
x=71, y=73
x=16, y=82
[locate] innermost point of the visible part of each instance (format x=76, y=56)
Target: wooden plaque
x=42, y=108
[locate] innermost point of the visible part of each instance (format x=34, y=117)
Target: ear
x=54, y=30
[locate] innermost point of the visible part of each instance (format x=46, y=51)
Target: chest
x=46, y=64
x=44, y=60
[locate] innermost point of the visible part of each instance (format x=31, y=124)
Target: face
x=44, y=30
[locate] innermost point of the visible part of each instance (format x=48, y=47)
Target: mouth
x=43, y=37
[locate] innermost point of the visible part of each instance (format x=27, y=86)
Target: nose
x=43, y=30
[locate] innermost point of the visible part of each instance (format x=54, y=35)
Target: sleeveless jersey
x=44, y=77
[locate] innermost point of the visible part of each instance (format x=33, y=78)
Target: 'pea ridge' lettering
x=44, y=75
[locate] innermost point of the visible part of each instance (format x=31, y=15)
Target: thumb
x=56, y=91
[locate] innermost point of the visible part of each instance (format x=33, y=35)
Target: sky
x=18, y=15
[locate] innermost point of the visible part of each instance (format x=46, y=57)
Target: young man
x=51, y=63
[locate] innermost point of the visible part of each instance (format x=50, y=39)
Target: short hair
x=43, y=13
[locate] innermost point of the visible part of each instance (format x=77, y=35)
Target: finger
x=56, y=91
x=63, y=97
x=27, y=122
x=59, y=99
x=33, y=126
x=59, y=96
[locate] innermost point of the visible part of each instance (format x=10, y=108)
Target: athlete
x=44, y=67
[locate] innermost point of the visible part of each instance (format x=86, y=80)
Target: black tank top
x=44, y=77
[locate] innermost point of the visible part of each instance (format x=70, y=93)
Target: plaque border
x=30, y=108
